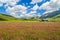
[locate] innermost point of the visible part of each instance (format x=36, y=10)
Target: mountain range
x=52, y=16
x=49, y=16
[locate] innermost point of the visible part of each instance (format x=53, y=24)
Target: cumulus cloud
x=21, y=11
x=45, y=6
x=35, y=1
x=55, y=3
x=35, y=7
x=17, y=10
x=3, y=1
x=32, y=14
x=9, y=2
x=51, y=6
x=1, y=4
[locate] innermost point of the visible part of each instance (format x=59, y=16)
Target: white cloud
x=51, y=6
x=9, y=2
x=49, y=11
x=35, y=7
x=32, y=14
x=3, y=1
x=45, y=6
x=35, y=1
x=17, y=10
x=55, y=3
x=1, y=4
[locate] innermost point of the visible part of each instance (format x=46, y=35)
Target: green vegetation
x=30, y=34
x=55, y=18
x=4, y=17
x=9, y=18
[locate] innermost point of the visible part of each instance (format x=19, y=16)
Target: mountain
x=50, y=15
x=55, y=18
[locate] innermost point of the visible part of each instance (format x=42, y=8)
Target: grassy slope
x=4, y=17
x=8, y=18
x=55, y=18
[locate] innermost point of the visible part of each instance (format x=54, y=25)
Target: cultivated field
x=29, y=30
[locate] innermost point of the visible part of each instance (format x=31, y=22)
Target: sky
x=28, y=8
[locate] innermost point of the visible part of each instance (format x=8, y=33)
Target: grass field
x=29, y=30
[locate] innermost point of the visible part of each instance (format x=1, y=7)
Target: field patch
x=29, y=31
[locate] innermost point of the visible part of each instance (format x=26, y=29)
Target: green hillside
x=9, y=18
x=4, y=17
x=55, y=18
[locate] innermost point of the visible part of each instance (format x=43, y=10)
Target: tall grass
x=28, y=34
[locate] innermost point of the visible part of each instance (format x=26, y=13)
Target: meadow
x=29, y=30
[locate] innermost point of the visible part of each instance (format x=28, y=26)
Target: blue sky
x=28, y=7
x=21, y=2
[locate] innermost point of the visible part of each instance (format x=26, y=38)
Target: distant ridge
x=50, y=15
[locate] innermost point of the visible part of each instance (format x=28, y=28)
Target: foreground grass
x=29, y=32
